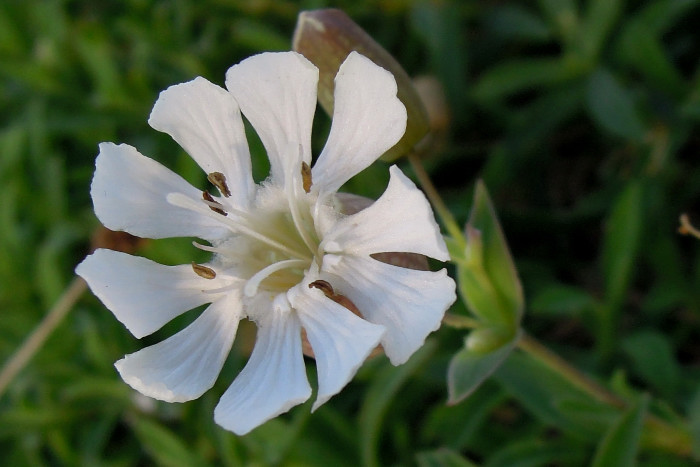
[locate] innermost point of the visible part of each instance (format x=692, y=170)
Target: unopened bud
x=326, y=37
x=486, y=339
x=487, y=277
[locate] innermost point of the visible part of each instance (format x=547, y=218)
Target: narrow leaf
x=164, y=446
x=468, y=369
x=619, y=446
x=613, y=107
x=489, y=282
x=442, y=457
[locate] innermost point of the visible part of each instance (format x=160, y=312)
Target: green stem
x=438, y=204
x=658, y=433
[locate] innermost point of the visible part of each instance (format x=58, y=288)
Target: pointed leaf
x=489, y=281
x=442, y=457
x=468, y=369
x=613, y=107
x=619, y=446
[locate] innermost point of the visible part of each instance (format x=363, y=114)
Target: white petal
x=401, y=220
x=340, y=339
x=184, y=366
x=205, y=120
x=277, y=94
x=129, y=192
x=142, y=294
x=274, y=379
x=409, y=303
x=368, y=119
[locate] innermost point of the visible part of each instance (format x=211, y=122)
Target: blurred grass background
x=581, y=117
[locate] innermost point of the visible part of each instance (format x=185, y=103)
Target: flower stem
x=36, y=339
x=658, y=432
x=435, y=199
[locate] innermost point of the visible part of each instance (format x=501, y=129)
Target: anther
x=207, y=197
x=323, y=286
x=203, y=271
x=328, y=291
x=219, y=180
x=306, y=176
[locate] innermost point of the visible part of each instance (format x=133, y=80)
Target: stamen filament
x=251, y=287
x=185, y=202
x=290, y=189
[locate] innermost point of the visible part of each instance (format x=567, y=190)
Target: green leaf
x=641, y=49
x=612, y=106
x=164, y=446
x=488, y=281
x=552, y=398
x=620, y=444
x=599, y=19
x=563, y=16
x=468, y=369
x=653, y=359
x=510, y=77
x=535, y=453
x=379, y=396
x=622, y=241
x=442, y=457
x=620, y=249
x=694, y=418
x=460, y=426
x=516, y=22
x=560, y=299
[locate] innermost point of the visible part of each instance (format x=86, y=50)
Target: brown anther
x=219, y=180
x=341, y=300
x=323, y=286
x=203, y=271
x=207, y=197
x=328, y=291
x=306, y=176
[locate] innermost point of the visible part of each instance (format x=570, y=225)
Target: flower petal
x=277, y=94
x=184, y=366
x=341, y=340
x=401, y=220
x=142, y=294
x=409, y=303
x=205, y=120
x=129, y=192
x=368, y=119
x=274, y=379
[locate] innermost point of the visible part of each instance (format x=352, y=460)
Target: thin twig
x=435, y=199
x=687, y=228
x=36, y=339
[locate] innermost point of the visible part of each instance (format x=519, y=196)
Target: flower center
x=271, y=246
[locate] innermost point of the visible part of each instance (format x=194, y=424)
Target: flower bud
x=487, y=277
x=487, y=339
x=326, y=37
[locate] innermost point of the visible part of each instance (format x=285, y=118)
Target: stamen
x=323, y=286
x=208, y=248
x=292, y=202
x=236, y=226
x=203, y=271
x=213, y=205
x=328, y=291
x=251, y=287
x=306, y=176
x=219, y=180
x=225, y=288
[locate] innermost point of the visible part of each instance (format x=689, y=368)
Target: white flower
x=282, y=251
